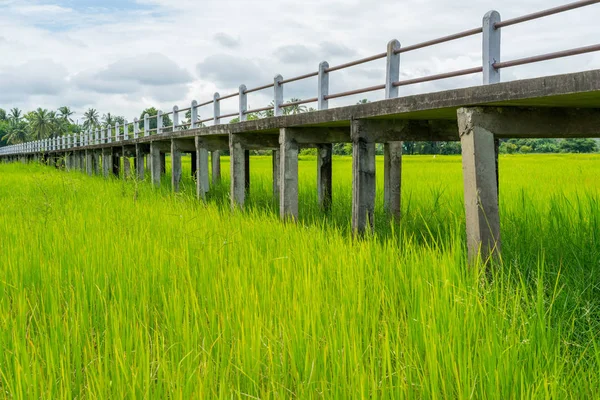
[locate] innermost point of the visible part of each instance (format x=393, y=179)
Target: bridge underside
x=563, y=106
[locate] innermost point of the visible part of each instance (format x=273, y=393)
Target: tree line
x=19, y=127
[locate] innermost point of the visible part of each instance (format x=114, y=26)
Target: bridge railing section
x=491, y=66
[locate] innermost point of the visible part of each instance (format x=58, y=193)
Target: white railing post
x=108, y=134
x=159, y=122
x=193, y=114
x=117, y=132
x=216, y=108
x=136, y=128
x=146, y=124
x=323, y=89
x=175, y=118
x=243, y=103
x=278, y=95
x=392, y=69
x=491, y=47
x=125, y=130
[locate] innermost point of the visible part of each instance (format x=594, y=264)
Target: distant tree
x=108, y=120
x=15, y=115
x=152, y=111
x=578, y=146
x=42, y=123
x=65, y=114
x=3, y=116
x=295, y=109
x=91, y=119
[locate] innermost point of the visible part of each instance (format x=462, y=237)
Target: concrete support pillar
x=238, y=172
x=175, y=166
x=247, y=170
x=392, y=178
x=363, y=181
x=288, y=178
x=116, y=165
x=216, y=167
x=89, y=162
x=324, y=175
x=155, y=164
x=202, y=181
x=106, y=162
x=276, y=164
x=96, y=162
x=480, y=185
x=126, y=167
x=139, y=162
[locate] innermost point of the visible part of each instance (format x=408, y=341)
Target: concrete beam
x=480, y=182
x=523, y=122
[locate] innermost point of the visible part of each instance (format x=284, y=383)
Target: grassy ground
x=116, y=290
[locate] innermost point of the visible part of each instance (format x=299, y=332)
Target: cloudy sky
x=121, y=56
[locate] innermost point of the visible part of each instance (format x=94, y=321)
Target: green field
x=118, y=290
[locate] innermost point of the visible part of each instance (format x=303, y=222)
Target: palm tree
x=108, y=120
x=65, y=113
x=295, y=109
x=42, y=123
x=91, y=117
x=3, y=116
x=15, y=115
x=17, y=133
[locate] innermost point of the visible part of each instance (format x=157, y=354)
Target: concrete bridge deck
x=556, y=106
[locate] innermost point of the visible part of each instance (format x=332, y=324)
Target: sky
x=122, y=56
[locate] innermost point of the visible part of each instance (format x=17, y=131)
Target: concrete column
x=324, y=175
x=89, y=162
x=155, y=166
x=106, y=162
x=175, y=166
x=126, y=167
x=116, y=165
x=202, y=181
x=247, y=170
x=392, y=178
x=139, y=161
x=288, y=178
x=276, y=164
x=96, y=162
x=363, y=181
x=480, y=185
x=238, y=172
x=216, y=166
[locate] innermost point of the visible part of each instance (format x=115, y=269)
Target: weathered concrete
x=288, y=178
x=89, y=162
x=106, y=162
x=116, y=164
x=215, y=157
x=126, y=167
x=175, y=166
x=96, y=162
x=363, y=180
x=392, y=178
x=202, y=179
x=324, y=175
x=276, y=173
x=155, y=163
x=140, y=155
x=238, y=172
x=480, y=184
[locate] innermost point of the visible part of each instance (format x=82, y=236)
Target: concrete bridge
x=562, y=106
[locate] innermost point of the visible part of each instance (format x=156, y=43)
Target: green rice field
x=111, y=289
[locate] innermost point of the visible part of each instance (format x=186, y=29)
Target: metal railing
x=491, y=67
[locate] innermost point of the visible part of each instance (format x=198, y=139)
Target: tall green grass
x=113, y=289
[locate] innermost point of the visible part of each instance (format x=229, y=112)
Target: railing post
x=117, y=132
x=109, y=134
x=159, y=122
x=324, y=151
x=136, y=128
x=216, y=108
x=278, y=95
x=146, y=124
x=175, y=118
x=323, y=83
x=193, y=114
x=215, y=154
x=243, y=103
x=125, y=130
x=392, y=151
x=491, y=47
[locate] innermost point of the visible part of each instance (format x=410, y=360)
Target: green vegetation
x=117, y=290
